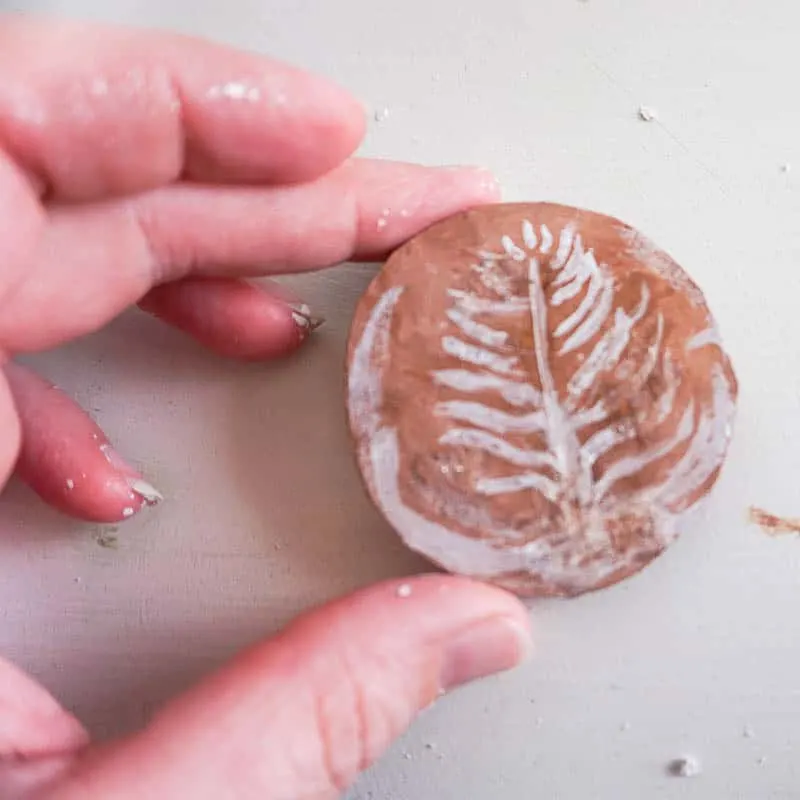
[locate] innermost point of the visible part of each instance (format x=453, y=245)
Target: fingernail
x=486, y=648
x=304, y=319
x=137, y=485
x=146, y=491
x=114, y=458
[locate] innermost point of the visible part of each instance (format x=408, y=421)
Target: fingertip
x=341, y=119
x=99, y=494
x=33, y=723
x=267, y=123
x=233, y=318
x=473, y=185
x=397, y=200
x=67, y=459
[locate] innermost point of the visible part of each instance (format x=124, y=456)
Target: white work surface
x=265, y=514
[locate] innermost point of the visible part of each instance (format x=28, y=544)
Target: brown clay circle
x=537, y=393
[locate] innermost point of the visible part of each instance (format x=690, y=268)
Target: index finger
x=93, y=110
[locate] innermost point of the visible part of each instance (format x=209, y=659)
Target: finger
x=104, y=257
x=94, y=110
x=21, y=222
x=67, y=459
x=233, y=318
x=32, y=723
x=9, y=432
x=300, y=716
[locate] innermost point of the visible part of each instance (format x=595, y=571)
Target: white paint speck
x=127, y=511
x=647, y=114
x=685, y=767
x=235, y=90
x=748, y=732
x=405, y=213
x=404, y=590
x=626, y=726
x=381, y=114
x=382, y=223
x=70, y=484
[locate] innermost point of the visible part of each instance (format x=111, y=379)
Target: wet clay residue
x=772, y=524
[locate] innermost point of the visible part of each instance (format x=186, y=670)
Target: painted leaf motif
x=591, y=336
x=560, y=383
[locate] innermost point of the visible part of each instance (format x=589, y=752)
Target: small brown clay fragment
x=536, y=394
x=772, y=524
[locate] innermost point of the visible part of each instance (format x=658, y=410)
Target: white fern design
x=562, y=471
x=541, y=437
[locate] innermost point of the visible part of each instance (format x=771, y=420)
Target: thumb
x=301, y=715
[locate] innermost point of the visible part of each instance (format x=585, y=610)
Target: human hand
x=153, y=169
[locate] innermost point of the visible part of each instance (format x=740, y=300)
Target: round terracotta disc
x=537, y=393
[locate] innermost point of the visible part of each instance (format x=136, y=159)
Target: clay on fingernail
x=146, y=491
x=306, y=321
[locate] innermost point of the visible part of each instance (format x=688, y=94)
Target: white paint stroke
x=486, y=335
x=480, y=356
x=516, y=393
x=492, y=419
x=486, y=442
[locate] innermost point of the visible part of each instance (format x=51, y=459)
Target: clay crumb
x=786, y=167
x=127, y=512
x=748, y=732
x=772, y=524
x=626, y=726
x=647, y=114
x=404, y=590
x=761, y=761
x=381, y=114
x=685, y=767
x=107, y=540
